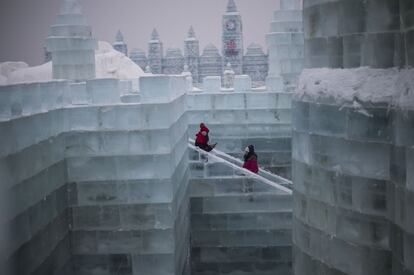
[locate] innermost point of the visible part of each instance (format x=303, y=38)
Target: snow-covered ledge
x=354, y=86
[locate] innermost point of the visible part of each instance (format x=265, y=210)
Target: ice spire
x=70, y=7
x=119, y=36
x=155, y=35
x=191, y=32
x=231, y=6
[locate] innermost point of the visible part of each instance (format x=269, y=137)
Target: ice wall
x=401, y=178
x=242, y=116
x=348, y=34
x=127, y=170
x=351, y=157
x=94, y=186
x=35, y=213
x=407, y=24
x=239, y=224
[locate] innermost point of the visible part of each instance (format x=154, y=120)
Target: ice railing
x=235, y=165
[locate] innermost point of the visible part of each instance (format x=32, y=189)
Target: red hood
x=204, y=128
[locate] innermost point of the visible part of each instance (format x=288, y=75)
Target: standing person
x=202, y=139
x=250, y=159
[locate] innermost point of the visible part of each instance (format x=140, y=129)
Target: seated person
x=202, y=139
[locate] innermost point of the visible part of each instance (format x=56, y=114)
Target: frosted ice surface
x=242, y=83
x=70, y=7
x=212, y=84
x=104, y=91
x=78, y=94
x=161, y=89
x=228, y=101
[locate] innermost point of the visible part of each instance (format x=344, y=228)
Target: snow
x=392, y=86
x=42, y=73
x=6, y=68
x=3, y=80
x=113, y=64
x=109, y=64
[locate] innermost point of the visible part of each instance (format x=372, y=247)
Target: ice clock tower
x=232, y=48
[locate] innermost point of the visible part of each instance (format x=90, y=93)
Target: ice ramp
x=240, y=221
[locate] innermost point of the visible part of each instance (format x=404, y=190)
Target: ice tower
x=285, y=44
x=155, y=53
x=173, y=62
x=255, y=64
x=232, y=39
x=210, y=62
x=192, y=54
x=120, y=44
x=71, y=44
x=139, y=57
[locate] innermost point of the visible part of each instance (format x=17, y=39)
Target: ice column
x=71, y=44
x=285, y=44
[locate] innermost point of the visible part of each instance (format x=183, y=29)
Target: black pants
x=204, y=147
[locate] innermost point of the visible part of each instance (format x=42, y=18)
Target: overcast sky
x=24, y=24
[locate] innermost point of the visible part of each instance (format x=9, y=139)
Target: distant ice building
x=155, y=53
x=120, y=44
x=192, y=54
x=139, y=57
x=173, y=62
x=255, y=63
x=211, y=62
x=232, y=38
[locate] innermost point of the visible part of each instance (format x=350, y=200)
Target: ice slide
x=263, y=176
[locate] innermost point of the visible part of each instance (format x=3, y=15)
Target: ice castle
x=100, y=176
x=253, y=62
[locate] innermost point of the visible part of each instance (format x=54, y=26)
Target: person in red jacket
x=202, y=139
x=250, y=159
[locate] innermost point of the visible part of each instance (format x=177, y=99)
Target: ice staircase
x=240, y=221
